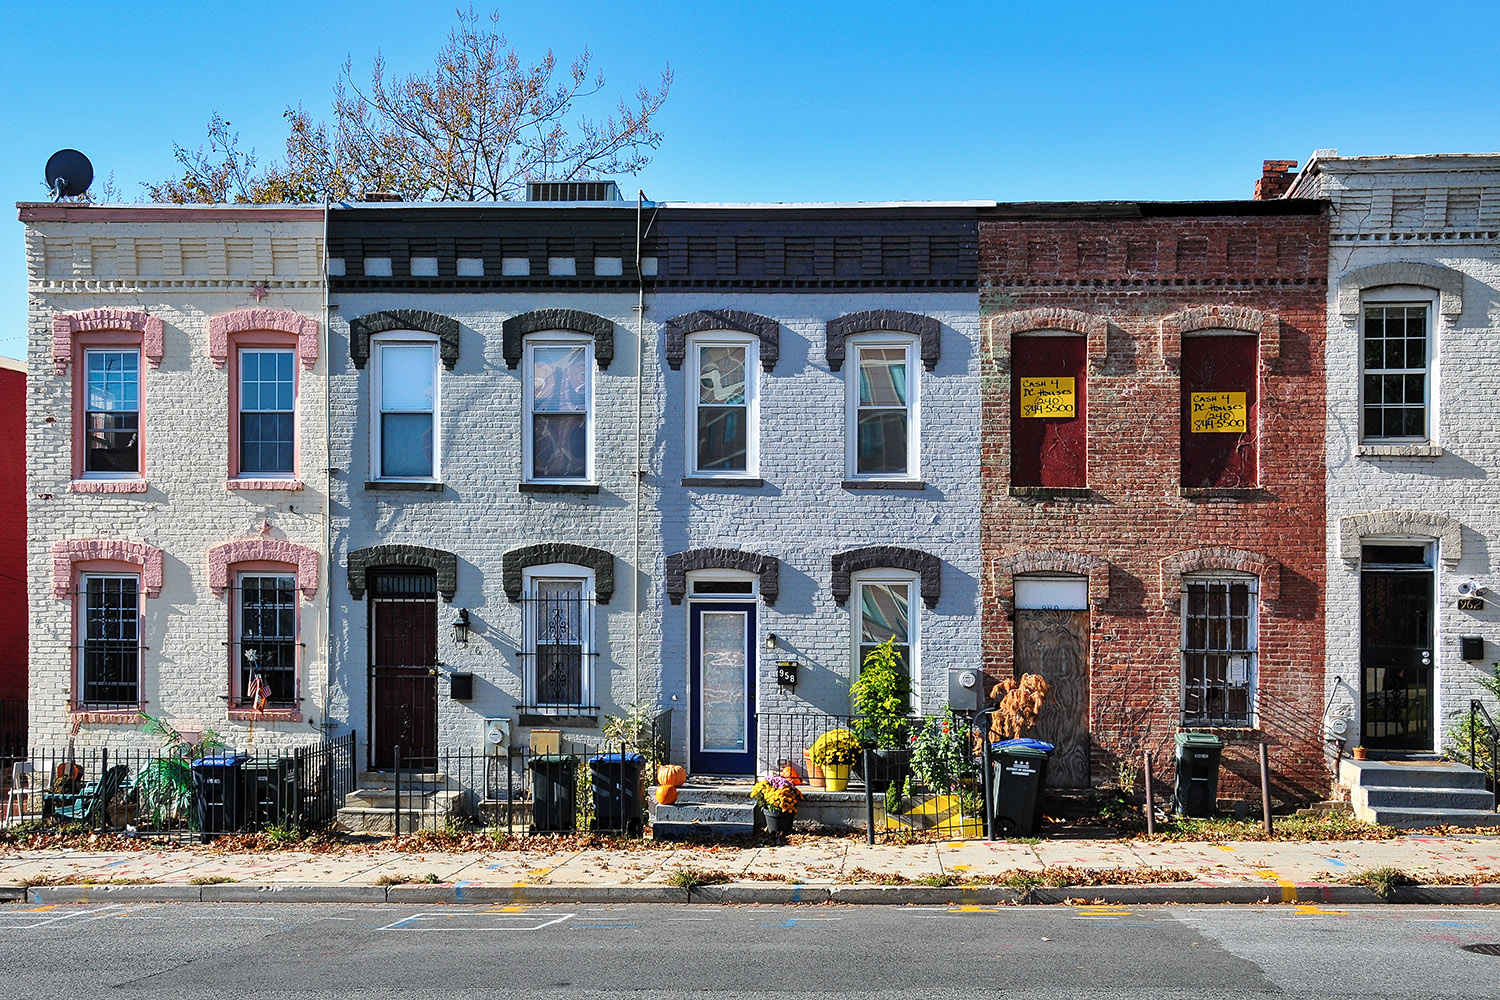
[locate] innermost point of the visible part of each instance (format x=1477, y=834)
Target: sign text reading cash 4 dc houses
x=1048, y=397
x=1218, y=412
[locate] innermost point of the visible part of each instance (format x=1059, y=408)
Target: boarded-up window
x=1048, y=411
x=1220, y=382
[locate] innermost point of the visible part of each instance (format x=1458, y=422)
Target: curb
x=149, y=893
x=294, y=894
x=926, y=895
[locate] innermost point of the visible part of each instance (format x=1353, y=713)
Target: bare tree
x=475, y=127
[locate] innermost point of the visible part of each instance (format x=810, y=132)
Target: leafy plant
x=1456, y=746
x=1020, y=703
x=635, y=732
x=1382, y=881
x=835, y=748
x=777, y=795
x=164, y=788
x=882, y=698
x=692, y=878
x=940, y=756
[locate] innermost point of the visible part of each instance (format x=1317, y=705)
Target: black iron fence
x=1484, y=746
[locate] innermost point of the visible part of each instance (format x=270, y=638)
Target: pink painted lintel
x=226, y=554
x=107, y=486
x=65, y=326
x=276, y=320
x=77, y=550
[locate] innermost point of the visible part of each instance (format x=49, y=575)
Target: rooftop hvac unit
x=496, y=737
x=573, y=191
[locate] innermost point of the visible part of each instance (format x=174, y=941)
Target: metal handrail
x=1477, y=709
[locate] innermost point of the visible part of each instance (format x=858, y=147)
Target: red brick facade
x=12, y=534
x=1133, y=281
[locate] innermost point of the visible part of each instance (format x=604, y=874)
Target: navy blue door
x=721, y=737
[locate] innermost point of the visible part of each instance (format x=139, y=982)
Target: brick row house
x=12, y=557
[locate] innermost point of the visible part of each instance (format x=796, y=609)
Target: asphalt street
x=331, y=950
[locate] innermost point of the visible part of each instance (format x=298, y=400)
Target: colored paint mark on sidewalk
x=1288, y=889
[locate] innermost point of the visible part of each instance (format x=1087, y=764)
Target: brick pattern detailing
x=77, y=550
x=1354, y=528
x=363, y=327
x=221, y=557
x=680, y=564
x=264, y=484
x=926, y=565
x=514, y=330
x=128, y=717
x=1006, y=325
x=1276, y=179
x=601, y=562
x=1216, y=317
x=1006, y=568
x=443, y=564
x=279, y=320
x=1448, y=282
x=107, y=486
x=66, y=325
x=928, y=330
x=1177, y=565
x=678, y=328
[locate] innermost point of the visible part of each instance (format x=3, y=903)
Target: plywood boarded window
x=1220, y=404
x=1049, y=411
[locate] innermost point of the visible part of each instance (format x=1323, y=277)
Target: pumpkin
x=790, y=774
x=666, y=794
x=671, y=774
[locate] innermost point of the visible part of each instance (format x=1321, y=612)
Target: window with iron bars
x=1219, y=650
x=266, y=641
x=109, y=658
x=558, y=645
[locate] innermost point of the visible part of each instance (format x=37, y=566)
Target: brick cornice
x=926, y=565
x=680, y=564
x=277, y=320
x=514, y=330
x=1007, y=567
x=677, y=329
x=1354, y=528
x=77, y=550
x=1006, y=325
x=1177, y=565
x=1448, y=282
x=65, y=326
x=925, y=328
x=362, y=328
x=519, y=559
x=442, y=563
x=1266, y=326
x=226, y=554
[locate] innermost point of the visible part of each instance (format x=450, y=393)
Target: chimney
x=1276, y=178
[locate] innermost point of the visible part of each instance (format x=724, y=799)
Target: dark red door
x=403, y=670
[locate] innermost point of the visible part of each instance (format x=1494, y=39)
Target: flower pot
x=814, y=772
x=1360, y=753
x=779, y=822
x=836, y=777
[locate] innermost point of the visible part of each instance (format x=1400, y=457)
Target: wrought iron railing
x=1480, y=716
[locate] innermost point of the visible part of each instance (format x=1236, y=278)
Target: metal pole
x=1265, y=787
x=396, y=759
x=869, y=801
x=1150, y=797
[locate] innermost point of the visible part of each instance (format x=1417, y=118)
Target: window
x=559, y=399
x=110, y=633
x=1396, y=365
x=721, y=440
x=406, y=407
x=882, y=609
x=112, y=410
x=1049, y=411
x=882, y=411
x=266, y=641
x=267, y=413
x=1219, y=423
x=1219, y=626
x=558, y=644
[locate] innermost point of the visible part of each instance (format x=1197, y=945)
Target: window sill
x=1051, y=492
x=269, y=715
x=406, y=485
x=544, y=720
x=724, y=482
x=884, y=484
x=1422, y=450
x=107, y=716
x=1227, y=732
x=107, y=486
x=584, y=488
x=1222, y=492
x=263, y=484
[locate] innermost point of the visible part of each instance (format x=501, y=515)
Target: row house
x=12, y=556
x=176, y=453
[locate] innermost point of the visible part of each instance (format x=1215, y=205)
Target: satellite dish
x=69, y=173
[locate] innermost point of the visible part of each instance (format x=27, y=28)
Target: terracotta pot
x=1360, y=753
x=814, y=772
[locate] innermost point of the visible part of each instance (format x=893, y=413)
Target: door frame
x=1429, y=568
x=697, y=603
x=372, y=679
x=1069, y=592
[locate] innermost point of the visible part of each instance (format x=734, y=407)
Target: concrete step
x=385, y=798
x=1389, y=797
x=715, y=813
x=430, y=812
x=1444, y=774
x=1416, y=818
x=690, y=795
x=409, y=779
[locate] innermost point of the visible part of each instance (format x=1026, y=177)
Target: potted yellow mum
x=835, y=752
x=778, y=798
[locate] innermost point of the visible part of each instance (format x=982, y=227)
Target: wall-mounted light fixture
x=770, y=640
x=461, y=627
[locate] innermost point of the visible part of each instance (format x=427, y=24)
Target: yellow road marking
x=970, y=908
x=1312, y=909
x=1288, y=889
x=39, y=909
x=1103, y=911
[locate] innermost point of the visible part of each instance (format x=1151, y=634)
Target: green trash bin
x=1196, y=791
x=1017, y=787
x=552, y=793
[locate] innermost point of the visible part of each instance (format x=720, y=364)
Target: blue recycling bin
x=218, y=793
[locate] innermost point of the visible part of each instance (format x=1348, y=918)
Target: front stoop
x=426, y=801
x=1415, y=794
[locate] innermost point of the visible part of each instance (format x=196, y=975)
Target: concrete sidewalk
x=842, y=870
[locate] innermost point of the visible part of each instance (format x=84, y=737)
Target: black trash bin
x=270, y=792
x=1016, y=786
x=1196, y=791
x=619, y=781
x=218, y=793
x=552, y=778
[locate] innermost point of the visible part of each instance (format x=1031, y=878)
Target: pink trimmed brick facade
x=66, y=325
x=276, y=550
x=279, y=320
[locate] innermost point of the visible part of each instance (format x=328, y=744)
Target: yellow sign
x=1048, y=397
x=1218, y=413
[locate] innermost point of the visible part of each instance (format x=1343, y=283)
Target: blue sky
x=799, y=101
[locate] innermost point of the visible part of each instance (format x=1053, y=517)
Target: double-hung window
x=882, y=410
x=722, y=439
x=266, y=643
x=112, y=411
x=109, y=658
x=406, y=411
x=267, y=413
x=1396, y=365
x=883, y=606
x=559, y=405
x=559, y=638
x=1219, y=650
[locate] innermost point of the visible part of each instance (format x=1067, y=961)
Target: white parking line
x=498, y=921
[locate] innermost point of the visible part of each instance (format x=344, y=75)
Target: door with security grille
x=403, y=670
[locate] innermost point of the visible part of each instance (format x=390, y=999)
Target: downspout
x=637, y=471
x=325, y=724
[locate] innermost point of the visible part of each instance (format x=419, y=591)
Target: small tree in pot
x=882, y=702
